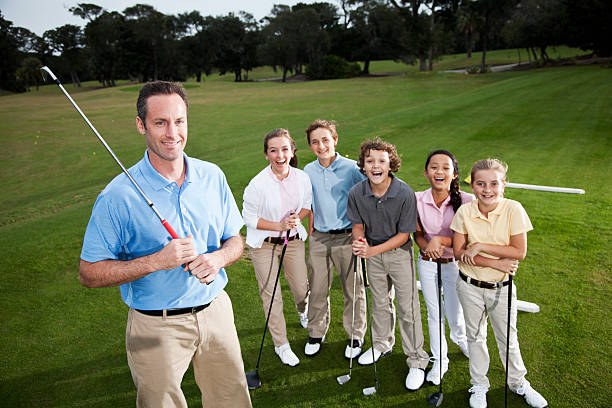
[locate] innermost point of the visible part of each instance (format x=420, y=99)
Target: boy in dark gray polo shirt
x=384, y=213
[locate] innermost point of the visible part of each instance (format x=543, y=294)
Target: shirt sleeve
x=519, y=220
x=458, y=224
x=233, y=220
x=352, y=212
x=307, y=186
x=250, y=205
x=408, y=216
x=102, y=240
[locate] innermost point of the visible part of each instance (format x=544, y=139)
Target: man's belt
x=483, y=284
x=174, y=312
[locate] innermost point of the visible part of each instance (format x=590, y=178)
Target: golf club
x=369, y=390
x=435, y=399
x=343, y=379
x=508, y=338
x=253, y=378
x=149, y=202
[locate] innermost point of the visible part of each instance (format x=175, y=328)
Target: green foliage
x=63, y=344
x=334, y=67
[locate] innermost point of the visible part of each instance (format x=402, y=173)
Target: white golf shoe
x=433, y=376
x=479, y=396
x=313, y=345
x=532, y=397
x=415, y=378
x=287, y=355
x=366, y=357
x=353, y=350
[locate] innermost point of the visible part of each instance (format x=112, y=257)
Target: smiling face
x=279, y=154
x=323, y=144
x=440, y=172
x=377, y=166
x=488, y=187
x=165, y=129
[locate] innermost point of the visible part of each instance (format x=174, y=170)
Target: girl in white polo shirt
x=275, y=201
x=489, y=240
x=436, y=207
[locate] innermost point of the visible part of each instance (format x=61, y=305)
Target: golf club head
x=343, y=379
x=253, y=380
x=435, y=399
x=369, y=391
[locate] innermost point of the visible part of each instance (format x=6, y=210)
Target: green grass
x=63, y=344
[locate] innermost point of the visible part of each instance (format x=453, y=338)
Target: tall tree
x=589, y=26
x=67, y=41
x=9, y=54
x=468, y=23
x=29, y=72
x=493, y=15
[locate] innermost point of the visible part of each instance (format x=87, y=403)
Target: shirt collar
x=273, y=176
x=156, y=180
x=392, y=191
x=428, y=199
x=331, y=166
x=477, y=214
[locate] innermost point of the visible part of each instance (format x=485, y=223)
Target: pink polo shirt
x=437, y=221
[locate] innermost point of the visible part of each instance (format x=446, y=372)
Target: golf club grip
x=168, y=228
x=365, y=273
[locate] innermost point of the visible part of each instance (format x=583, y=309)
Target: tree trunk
x=366, y=67
x=483, y=68
x=529, y=56
x=544, y=54
x=470, y=43
x=422, y=63
x=199, y=76
x=285, y=74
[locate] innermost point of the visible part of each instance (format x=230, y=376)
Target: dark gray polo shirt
x=386, y=216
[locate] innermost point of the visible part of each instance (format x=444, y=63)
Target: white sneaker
x=313, y=345
x=479, y=396
x=463, y=346
x=286, y=355
x=532, y=397
x=353, y=350
x=415, y=378
x=304, y=317
x=433, y=376
x=366, y=357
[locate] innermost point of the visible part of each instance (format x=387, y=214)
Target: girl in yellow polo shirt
x=490, y=237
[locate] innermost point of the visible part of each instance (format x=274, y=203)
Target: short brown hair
x=157, y=88
x=325, y=124
x=377, y=144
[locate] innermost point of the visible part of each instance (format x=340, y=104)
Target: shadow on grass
x=101, y=382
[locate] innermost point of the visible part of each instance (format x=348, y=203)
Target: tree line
x=321, y=40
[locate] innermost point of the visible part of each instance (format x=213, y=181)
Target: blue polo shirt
x=123, y=227
x=330, y=188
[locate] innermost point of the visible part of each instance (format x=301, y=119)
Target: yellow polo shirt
x=509, y=218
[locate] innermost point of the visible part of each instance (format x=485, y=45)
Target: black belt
x=340, y=231
x=483, y=284
x=174, y=312
x=279, y=240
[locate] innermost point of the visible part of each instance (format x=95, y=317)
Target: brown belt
x=279, y=240
x=483, y=284
x=442, y=260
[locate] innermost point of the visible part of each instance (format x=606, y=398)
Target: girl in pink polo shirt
x=436, y=207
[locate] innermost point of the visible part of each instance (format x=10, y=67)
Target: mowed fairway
x=63, y=345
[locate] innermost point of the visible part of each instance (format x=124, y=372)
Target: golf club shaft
x=280, y=264
x=353, y=315
x=439, y=265
x=171, y=231
x=508, y=338
x=367, y=289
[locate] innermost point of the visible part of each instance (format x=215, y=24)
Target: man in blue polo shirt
x=329, y=245
x=179, y=313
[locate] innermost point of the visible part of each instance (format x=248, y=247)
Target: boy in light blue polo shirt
x=331, y=176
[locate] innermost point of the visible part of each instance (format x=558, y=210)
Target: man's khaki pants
x=478, y=303
x=394, y=271
x=326, y=251
x=265, y=262
x=160, y=349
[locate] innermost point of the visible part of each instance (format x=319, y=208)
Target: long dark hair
x=455, y=194
x=280, y=132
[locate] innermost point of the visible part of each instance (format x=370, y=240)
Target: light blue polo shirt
x=123, y=227
x=330, y=188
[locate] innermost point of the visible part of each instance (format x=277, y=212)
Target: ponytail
x=455, y=194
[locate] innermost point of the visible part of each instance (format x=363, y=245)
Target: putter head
x=435, y=399
x=343, y=379
x=253, y=380
x=369, y=391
